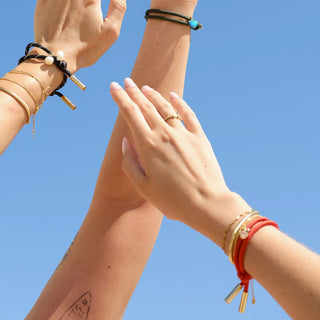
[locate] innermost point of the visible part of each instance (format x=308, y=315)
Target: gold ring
x=173, y=116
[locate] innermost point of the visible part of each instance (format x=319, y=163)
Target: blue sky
x=253, y=79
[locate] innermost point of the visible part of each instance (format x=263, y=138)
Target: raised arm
x=174, y=167
x=55, y=23
x=113, y=245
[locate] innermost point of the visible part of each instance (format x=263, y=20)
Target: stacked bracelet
x=240, y=238
x=182, y=19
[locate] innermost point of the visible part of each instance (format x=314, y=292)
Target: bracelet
x=253, y=214
x=18, y=99
x=43, y=91
x=229, y=227
x=35, y=100
x=159, y=14
x=42, y=97
x=245, y=233
x=56, y=59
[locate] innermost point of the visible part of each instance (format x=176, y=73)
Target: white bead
x=60, y=55
x=49, y=61
x=244, y=233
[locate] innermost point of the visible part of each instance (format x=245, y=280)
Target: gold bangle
x=235, y=233
x=229, y=227
x=18, y=99
x=236, y=238
x=25, y=89
x=43, y=91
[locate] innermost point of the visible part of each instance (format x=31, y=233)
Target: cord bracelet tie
x=182, y=19
x=56, y=59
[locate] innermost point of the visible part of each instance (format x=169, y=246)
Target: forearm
x=118, y=234
x=104, y=260
x=288, y=270
x=161, y=64
x=12, y=115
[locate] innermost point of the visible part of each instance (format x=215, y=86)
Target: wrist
x=216, y=214
x=45, y=79
x=184, y=7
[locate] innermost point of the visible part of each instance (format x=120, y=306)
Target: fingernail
x=128, y=83
x=125, y=145
x=115, y=86
x=173, y=95
x=146, y=89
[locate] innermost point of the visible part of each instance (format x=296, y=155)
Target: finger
x=116, y=12
x=189, y=117
x=164, y=108
x=131, y=165
x=130, y=111
x=148, y=110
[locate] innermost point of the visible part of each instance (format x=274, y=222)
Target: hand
x=171, y=165
x=78, y=28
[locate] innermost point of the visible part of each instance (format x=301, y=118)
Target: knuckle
x=189, y=113
x=114, y=32
x=167, y=137
x=129, y=108
x=149, y=142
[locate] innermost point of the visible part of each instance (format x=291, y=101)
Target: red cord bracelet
x=245, y=234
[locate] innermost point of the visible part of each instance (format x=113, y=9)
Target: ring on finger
x=173, y=116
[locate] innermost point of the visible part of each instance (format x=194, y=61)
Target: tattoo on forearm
x=68, y=252
x=80, y=309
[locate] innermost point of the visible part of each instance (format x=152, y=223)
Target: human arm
x=55, y=23
x=118, y=234
x=174, y=167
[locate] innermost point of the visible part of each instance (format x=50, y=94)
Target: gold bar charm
x=68, y=103
x=78, y=82
x=233, y=293
x=243, y=302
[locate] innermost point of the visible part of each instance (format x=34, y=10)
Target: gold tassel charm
x=233, y=293
x=244, y=296
x=68, y=102
x=243, y=302
x=76, y=81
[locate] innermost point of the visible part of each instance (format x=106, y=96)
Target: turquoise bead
x=193, y=23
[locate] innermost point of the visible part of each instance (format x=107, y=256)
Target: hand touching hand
x=78, y=28
x=171, y=165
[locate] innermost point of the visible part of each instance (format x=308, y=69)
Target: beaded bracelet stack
x=250, y=223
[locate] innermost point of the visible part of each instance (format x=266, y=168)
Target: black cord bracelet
x=62, y=65
x=188, y=21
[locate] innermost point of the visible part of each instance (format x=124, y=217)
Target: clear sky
x=254, y=81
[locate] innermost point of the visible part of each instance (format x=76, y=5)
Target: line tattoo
x=68, y=252
x=80, y=309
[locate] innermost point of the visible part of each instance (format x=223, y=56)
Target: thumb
x=116, y=11
x=131, y=164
